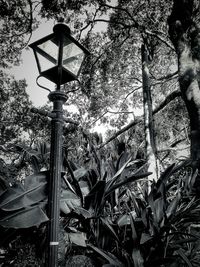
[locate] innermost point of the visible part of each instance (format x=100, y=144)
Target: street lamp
x=59, y=58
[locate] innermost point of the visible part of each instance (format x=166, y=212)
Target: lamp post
x=59, y=58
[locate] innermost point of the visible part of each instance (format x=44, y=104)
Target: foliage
x=17, y=23
x=103, y=213
x=106, y=210
x=14, y=106
x=157, y=221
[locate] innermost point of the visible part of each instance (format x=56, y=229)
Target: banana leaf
x=18, y=196
x=25, y=218
x=3, y=185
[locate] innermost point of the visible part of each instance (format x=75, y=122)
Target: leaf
x=3, y=185
x=35, y=163
x=164, y=176
x=78, y=238
x=69, y=201
x=193, y=179
x=184, y=257
x=74, y=181
x=189, y=205
x=108, y=256
x=84, y=188
x=27, y=149
x=35, y=180
x=132, y=178
x=137, y=208
x=25, y=218
x=144, y=216
x=123, y=220
x=96, y=188
x=17, y=197
x=137, y=258
x=122, y=159
x=81, y=211
x=109, y=227
x=134, y=232
x=118, y=173
x=145, y=238
x=17, y=203
x=71, y=229
x=43, y=149
x=68, y=184
x=99, y=200
x=95, y=198
x=159, y=209
x=173, y=206
x=79, y=173
x=136, y=254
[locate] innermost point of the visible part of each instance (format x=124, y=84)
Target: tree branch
x=117, y=112
x=167, y=77
x=139, y=119
x=160, y=38
x=167, y=100
x=113, y=22
x=122, y=9
x=167, y=149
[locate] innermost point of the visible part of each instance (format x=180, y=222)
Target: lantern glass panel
x=45, y=64
x=51, y=49
x=47, y=53
x=72, y=57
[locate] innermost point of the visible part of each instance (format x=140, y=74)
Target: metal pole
x=58, y=98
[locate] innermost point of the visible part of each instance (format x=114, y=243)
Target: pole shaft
x=58, y=98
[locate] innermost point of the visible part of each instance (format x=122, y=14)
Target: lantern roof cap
x=61, y=28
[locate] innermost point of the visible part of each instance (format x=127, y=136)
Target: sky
x=28, y=69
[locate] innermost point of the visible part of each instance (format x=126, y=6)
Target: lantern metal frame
x=58, y=73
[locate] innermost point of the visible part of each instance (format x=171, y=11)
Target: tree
x=17, y=23
x=149, y=129
x=184, y=32
x=124, y=19
x=14, y=106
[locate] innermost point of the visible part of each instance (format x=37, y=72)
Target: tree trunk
x=150, y=145
x=185, y=35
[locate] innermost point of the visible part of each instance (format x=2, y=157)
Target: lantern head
x=59, y=56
